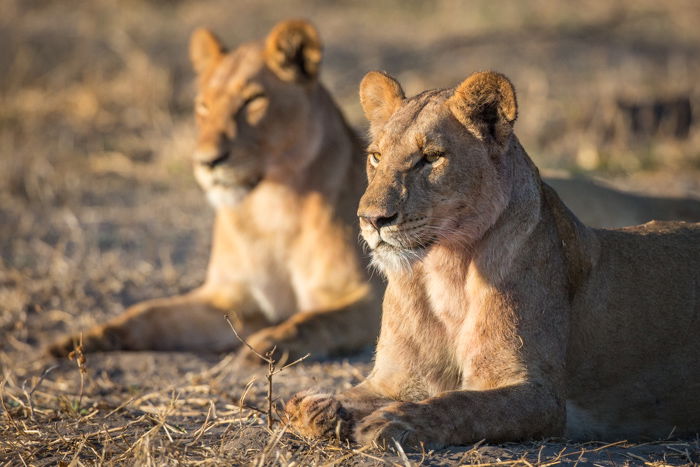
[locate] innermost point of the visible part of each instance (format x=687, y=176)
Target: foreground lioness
x=504, y=317
x=284, y=172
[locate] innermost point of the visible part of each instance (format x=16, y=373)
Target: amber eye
x=253, y=97
x=433, y=157
x=374, y=158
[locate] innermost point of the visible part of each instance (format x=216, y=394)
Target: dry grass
x=199, y=417
x=98, y=208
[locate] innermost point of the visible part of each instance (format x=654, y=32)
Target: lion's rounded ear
x=485, y=103
x=293, y=51
x=380, y=96
x=205, y=49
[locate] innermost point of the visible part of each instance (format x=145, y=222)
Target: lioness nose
x=379, y=221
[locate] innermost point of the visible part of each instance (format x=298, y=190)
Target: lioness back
x=641, y=304
x=599, y=205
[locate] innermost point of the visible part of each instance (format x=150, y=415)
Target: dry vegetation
x=98, y=208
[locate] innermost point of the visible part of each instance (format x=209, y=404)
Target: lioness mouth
x=416, y=245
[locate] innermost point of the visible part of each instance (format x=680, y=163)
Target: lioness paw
x=97, y=339
x=316, y=415
x=395, y=423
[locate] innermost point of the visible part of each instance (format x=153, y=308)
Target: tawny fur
x=284, y=259
x=285, y=262
x=512, y=320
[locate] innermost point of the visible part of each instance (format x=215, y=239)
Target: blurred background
x=98, y=208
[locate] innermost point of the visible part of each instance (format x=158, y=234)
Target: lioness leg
x=461, y=417
x=314, y=414
x=319, y=333
x=194, y=321
x=455, y=417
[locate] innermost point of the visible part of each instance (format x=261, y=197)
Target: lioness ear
x=205, y=49
x=485, y=103
x=380, y=96
x=293, y=51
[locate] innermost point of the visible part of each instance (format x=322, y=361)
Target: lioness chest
x=291, y=251
x=458, y=301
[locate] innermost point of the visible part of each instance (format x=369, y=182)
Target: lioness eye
x=374, y=158
x=252, y=97
x=433, y=157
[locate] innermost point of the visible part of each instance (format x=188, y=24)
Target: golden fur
x=283, y=170
x=278, y=162
x=505, y=318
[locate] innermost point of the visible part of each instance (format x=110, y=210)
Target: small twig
x=298, y=360
x=4, y=407
x=670, y=435
x=270, y=374
x=29, y=394
x=63, y=439
x=241, y=400
x=245, y=342
x=121, y=406
x=272, y=370
x=352, y=452
x=202, y=428
x=79, y=357
x=401, y=453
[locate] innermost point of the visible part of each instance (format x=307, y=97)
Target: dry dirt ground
x=98, y=209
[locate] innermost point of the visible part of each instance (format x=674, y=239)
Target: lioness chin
x=505, y=318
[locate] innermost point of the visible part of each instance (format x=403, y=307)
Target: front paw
x=98, y=339
x=315, y=415
x=399, y=422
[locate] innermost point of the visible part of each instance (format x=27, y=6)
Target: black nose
x=381, y=221
x=211, y=163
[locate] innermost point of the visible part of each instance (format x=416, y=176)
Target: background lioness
x=504, y=317
x=278, y=162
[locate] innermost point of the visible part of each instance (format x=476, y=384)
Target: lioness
x=504, y=317
x=284, y=172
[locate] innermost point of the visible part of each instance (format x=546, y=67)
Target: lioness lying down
x=504, y=317
x=284, y=172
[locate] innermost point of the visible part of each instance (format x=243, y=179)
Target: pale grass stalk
x=272, y=369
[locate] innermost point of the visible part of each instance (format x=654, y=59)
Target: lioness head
x=437, y=164
x=253, y=108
